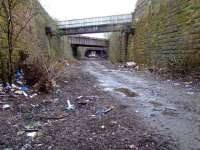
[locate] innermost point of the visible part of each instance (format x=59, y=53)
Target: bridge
x=99, y=46
x=98, y=52
x=116, y=23
x=96, y=25
x=85, y=41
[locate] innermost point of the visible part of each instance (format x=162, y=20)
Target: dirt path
x=170, y=108
x=99, y=121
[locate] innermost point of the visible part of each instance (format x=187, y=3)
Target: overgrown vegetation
x=12, y=27
x=25, y=45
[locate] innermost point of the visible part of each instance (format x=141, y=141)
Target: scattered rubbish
x=177, y=84
x=102, y=127
x=130, y=64
x=31, y=134
x=7, y=88
x=70, y=107
x=88, y=98
x=15, y=86
x=1, y=88
x=18, y=75
x=190, y=93
x=19, y=92
x=24, y=88
x=102, y=110
x=66, y=81
x=20, y=133
x=18, y=87
x=93, y=116
x=113, y=122
x=19, y=82
x=188, y=82
x=33, y=95
x=187, y=85
x=6, y=106
x=58, y=91
x=25, y=94
x=133, y=147
x=80, y=97
x=127, y=92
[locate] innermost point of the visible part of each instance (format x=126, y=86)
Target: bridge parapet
x=87, y=41
x=96, y=21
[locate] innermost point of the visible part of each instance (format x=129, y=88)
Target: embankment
x=167, y=34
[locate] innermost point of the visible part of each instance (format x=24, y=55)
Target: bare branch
x=23, y=27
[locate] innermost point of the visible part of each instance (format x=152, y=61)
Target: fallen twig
x=30, y=130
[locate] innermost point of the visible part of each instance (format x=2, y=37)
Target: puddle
x=127, y=92
x=155, y=99
x=156, y=103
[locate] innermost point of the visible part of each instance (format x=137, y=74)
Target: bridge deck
x=96, y=21
x=87, y=41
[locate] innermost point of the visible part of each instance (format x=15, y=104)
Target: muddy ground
x=99, y=121
x=169, y=106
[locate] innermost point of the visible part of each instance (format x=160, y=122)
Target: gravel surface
x=99, y=122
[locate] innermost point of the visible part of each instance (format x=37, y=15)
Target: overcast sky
x=75, y=9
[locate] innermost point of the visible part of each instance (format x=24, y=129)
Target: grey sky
x=75, y=9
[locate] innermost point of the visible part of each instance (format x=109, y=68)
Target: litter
x=25, y=94
x=24, y=88
x=31, y=134
x=102, y=127
x=70, y=107
x=177, y=84
x=18, y=92
x=15, y=87
x=7, y=87
x=102, y=110
x=130, y=64
x=133, y=147
x=33, y=95
x=88, y=98
x=190, y=93
x=6, y=106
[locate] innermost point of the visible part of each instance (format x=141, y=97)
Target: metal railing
x=107, y=20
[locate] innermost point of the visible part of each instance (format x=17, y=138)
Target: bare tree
x=15, y=15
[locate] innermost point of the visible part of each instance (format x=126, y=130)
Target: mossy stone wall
x=167, y=34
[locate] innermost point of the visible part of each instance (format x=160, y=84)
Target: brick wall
x=167, y=33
